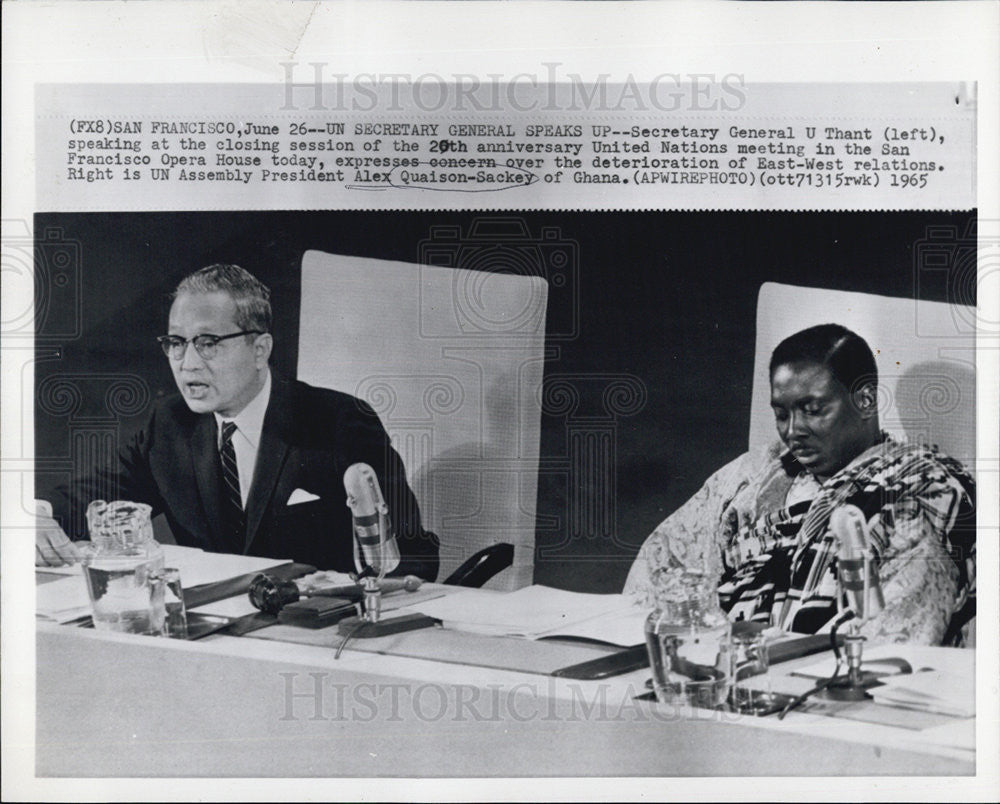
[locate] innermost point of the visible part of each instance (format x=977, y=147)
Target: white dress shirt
x=246, y=440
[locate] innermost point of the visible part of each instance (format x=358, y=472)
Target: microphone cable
x=347, y=638
x=826, y=682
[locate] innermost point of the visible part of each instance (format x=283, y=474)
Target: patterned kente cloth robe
x=764, y=521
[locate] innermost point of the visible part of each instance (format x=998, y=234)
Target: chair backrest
x=925, y=353
x=451, y=360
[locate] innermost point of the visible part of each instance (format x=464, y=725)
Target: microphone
x=375, y=553
x=379, y=552
x=855, y=565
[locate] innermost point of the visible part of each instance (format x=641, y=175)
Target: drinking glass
x=173, y=603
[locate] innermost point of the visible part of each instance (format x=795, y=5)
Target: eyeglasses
x=175, y=347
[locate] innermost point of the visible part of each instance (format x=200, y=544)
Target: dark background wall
x=669, y=298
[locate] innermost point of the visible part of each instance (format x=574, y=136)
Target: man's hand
x=52, y=546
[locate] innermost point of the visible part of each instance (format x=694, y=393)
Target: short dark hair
x=252, y=297
x=845, y=354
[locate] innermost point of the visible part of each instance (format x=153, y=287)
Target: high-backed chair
x=925, y=353
x=451, y=360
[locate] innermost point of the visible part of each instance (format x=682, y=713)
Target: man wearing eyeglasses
x=245, y=462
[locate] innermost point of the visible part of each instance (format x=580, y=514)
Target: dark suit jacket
x=309, y=438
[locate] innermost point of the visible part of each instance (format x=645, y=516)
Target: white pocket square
x=301, y=496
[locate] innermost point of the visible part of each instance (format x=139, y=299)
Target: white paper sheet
x=535, y=611
x=935, y=691
x=941, y=681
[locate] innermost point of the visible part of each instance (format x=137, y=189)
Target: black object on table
x=637, y=657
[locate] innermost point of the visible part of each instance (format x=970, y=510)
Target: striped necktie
x=235, y=517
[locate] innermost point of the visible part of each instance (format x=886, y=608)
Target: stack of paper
x=540, y=611
x=62, y=600
x=196, y=566
x=934, y=691
x=67, y=599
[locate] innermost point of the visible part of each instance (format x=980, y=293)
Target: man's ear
x=262, y=349
x=866, y=401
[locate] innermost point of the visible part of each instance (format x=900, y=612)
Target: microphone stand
x=853, y=686
x=370, y=623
